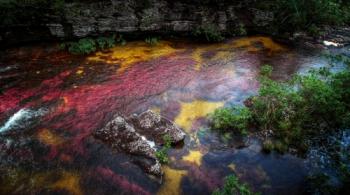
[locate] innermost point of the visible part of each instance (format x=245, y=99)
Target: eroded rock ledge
x=139, y=135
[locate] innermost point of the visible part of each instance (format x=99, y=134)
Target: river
x=51, y=102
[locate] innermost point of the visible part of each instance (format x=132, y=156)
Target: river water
x=51, y=102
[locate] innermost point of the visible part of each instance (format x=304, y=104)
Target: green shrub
x=297, y=110
x=233, y=118
x=208, y=32
x=121, y=40
x=83, y=46
x=237, y=30
x=241, y=31
x=232, y=186
x=152, y=40
x=89, y=45
x=106, y=42
x=266, y=70
x=293, y=15
x=162, y=154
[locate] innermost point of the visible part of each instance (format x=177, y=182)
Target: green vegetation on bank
x=236, y=118
x=152, y=40
x=208, y=32
x=89, y=45
x=295, y=110
x=298, y=113
x=232, y=186
x=309, y=15
x=162, y=154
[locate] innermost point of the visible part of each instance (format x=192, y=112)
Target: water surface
x=51, y=102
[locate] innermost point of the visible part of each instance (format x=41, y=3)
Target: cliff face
x=91, y=18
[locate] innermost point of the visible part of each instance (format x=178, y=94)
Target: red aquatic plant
x=108, y=175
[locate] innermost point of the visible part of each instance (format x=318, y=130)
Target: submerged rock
x=137, y=135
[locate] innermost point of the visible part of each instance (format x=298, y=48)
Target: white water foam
x=21, y=119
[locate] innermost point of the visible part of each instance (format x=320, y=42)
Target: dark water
x=51, y=102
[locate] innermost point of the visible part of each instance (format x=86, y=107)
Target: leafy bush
x=303, y=107
x=162, y=154
x=302, y=15
x=83, y=46
x=89, y=45
x=237, y=30
x=152, y=40
x=121, y=40
x=106, y=42
x=236, y=118
x=233, y=186
x=208, y=32
x=266, y=70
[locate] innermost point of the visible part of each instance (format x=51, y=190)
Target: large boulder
x=154, y=127
x=138, y=135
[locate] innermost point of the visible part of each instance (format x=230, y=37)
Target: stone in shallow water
x=155, y=127
x=137, y=136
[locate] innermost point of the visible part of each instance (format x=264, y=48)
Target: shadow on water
x=51, y=101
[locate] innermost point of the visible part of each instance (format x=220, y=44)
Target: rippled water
x=51, y=102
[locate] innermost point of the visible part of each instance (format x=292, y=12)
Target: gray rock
x=137, y=135
x=56, y=30
x=154, y=127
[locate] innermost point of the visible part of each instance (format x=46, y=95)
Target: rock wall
x=91, y=18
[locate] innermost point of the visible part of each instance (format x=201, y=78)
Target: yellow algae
x=249, y=43
x=69, y=182
x=195, y=156
x=79, y=72
x=132, y=53
x=190, y=111
x=223, y=55
x=197, y=56
x=49, y=138
x=220, y=51
x=232, y=167
x=172, y=181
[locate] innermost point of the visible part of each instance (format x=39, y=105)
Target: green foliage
x=266, y=70
x=237, y=30
x=89, y=45
x=232, y=187
x=152, y=40
x=233, y=118
x=83, y=46
x=106, y=42
x=308, y=15
x=121, y=40
x=208, y=32
x=305, y=106
x=241, y=30
x=315, y=31
x=162, y=154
